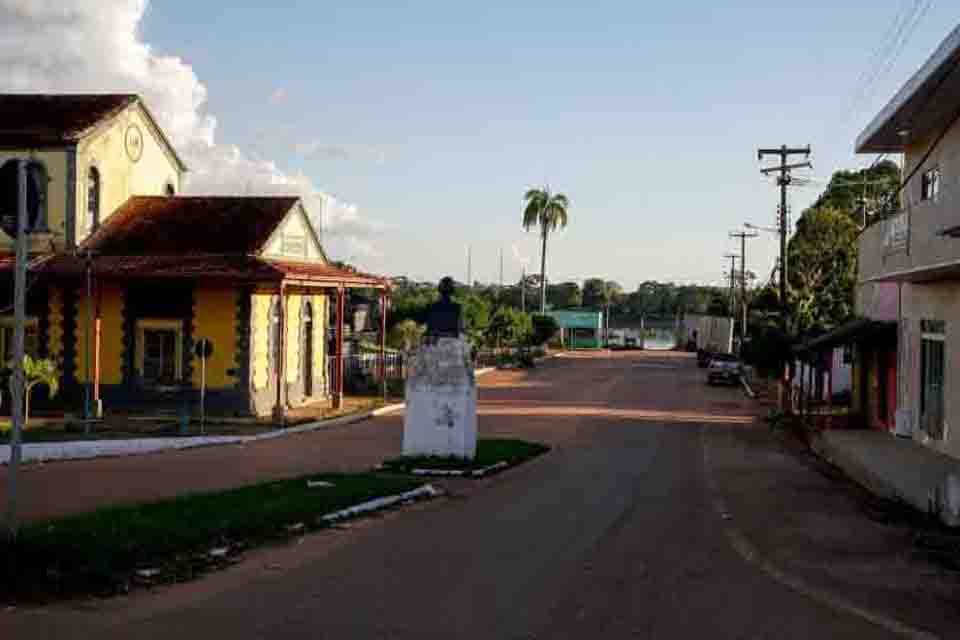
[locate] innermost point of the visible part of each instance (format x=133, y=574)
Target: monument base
x=441, y=396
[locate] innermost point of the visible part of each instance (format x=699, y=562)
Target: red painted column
x=341, y=310
x=383, y=335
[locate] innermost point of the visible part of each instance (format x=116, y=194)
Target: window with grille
x=93, y=198
x=160, y=352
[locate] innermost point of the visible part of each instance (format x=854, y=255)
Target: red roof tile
x=46, y=120
x=235, y=268
x=184, y=225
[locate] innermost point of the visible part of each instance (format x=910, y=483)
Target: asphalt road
x=613, y=534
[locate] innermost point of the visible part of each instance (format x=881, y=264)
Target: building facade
x=127, y=277
x=909, y=267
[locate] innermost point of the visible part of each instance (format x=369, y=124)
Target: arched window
x=169, y=190
x=93, y=198
x=36, y=195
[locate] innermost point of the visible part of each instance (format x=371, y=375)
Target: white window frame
x=159, y=324
x=932, y=178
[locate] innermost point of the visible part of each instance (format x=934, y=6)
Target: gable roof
x=47, y=120
x=190, y=225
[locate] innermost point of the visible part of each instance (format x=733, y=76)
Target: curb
x=475, y=473
x=377, y=504
x=91, y=449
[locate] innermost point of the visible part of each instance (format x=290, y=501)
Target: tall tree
x=548, y=211
x=823, y=268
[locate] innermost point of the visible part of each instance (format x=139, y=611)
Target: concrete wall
x=913, y=240
x=940, y=301
x=215, y=318
x=263, y=389
x=121, y=175
x=56, y=164
x=294, y=239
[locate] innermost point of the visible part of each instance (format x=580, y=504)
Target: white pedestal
x=441, y=395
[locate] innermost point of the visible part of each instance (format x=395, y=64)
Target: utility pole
x=783, y=181
x=469, y=268
x=501, y=268
x=523, y=290
x=743, y=279
x=17, y=386
x=733, y=293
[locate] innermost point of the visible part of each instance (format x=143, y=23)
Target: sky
x=428, y=120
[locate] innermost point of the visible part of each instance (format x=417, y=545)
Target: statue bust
x=443, y=317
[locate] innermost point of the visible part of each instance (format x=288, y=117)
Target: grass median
x=103, y=552
x=490, y=451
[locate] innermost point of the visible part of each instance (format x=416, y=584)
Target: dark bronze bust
x=443, y=317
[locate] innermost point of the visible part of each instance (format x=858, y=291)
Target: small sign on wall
x=293, y=245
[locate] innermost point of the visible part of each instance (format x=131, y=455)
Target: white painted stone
x=441, y=398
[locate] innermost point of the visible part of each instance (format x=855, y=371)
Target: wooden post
x=341, y=310
x=830, y=393
x=383, y=337
x=18, y=380
x=803, y=376
x=97, y=341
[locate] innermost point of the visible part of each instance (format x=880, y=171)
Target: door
x=308, y=350
x=931, y=383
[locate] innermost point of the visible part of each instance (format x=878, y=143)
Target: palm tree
x=36, y=372
x=548, y=211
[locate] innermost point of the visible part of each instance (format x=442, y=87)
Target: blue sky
x=433, y=117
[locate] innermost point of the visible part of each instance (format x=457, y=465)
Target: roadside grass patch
x=490, y=452
x=105, y=551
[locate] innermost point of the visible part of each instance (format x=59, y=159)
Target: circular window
x=133, y=140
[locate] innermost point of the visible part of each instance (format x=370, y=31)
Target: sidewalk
x=893, y=468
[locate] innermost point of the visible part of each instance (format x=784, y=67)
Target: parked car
x=724, y=369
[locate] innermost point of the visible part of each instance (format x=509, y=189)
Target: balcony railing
x=921, y=238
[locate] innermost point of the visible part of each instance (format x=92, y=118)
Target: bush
x=544, y=328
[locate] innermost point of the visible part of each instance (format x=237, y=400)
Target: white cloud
x=59, y=46
x=279, y=96
x=340, y=152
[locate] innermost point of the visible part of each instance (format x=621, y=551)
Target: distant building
x=580, y=328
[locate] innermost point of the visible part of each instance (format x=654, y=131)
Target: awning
x=922, y=107
x=855, y=331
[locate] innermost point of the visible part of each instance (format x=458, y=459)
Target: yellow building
x=128, y=278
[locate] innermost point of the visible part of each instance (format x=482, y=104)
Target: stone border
x=473, y=473
x=426, y=491
x=89, y=449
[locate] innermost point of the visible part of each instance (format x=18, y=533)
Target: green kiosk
x=580, y=329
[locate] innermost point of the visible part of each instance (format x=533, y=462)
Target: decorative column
x=279, y=410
